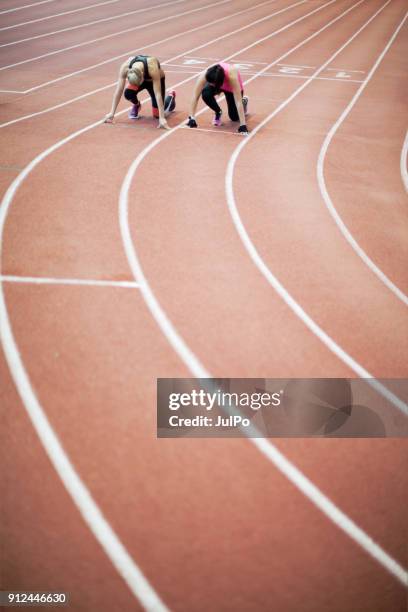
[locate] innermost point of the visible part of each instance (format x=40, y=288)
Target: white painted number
x=290, y=70
x=189, y=62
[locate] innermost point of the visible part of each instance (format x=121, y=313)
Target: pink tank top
x=226, y=84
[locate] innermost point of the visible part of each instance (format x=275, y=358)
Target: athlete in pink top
x=221, y=78
x=226, y=85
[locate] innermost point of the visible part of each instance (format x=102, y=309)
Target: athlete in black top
x=138, y=73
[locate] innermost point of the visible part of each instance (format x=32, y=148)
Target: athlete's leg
x=149, y=87
x=130, y=94
x=208, y=95
x=232, y=107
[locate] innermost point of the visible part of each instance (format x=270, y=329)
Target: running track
x=129, y=253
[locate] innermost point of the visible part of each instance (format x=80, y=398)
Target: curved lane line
x=322, y=183
x=288, y=469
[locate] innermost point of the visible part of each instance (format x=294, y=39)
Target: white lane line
x=124, y=564
x=403, y=162
x=20, y=8
x=217, y=59
x=263, y=268
x=304, y=77
x=90, y=23
x=42, y=280
x=322, y=183
x=214, y=131
x=118, y=33
x=83, y=8
x=214, y=40
x=322, y=502
x=345, y=70
x=12, y=91
x=157, y=42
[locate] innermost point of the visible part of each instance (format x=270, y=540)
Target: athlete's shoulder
x=124, y=67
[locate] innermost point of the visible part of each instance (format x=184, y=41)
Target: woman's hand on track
x=108, y=118
x=163, y=124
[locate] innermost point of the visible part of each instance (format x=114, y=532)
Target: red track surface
x=212, y=524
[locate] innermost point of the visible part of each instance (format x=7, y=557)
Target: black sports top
x=143, y=59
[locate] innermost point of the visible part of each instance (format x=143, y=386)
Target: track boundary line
x=322, y=183
x=290, y=471
x=42, y=280
x=90, y=23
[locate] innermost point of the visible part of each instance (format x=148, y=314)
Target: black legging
x=131, y=94
x=208, y=94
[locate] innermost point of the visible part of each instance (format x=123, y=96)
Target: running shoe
x=217, y=121
x=170, y=103
x=134, y=111
x=245, y=101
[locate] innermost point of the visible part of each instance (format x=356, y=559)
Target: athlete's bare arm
x=201, y=81
x=236, y=90
x=120, y=86
x=156, y=74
